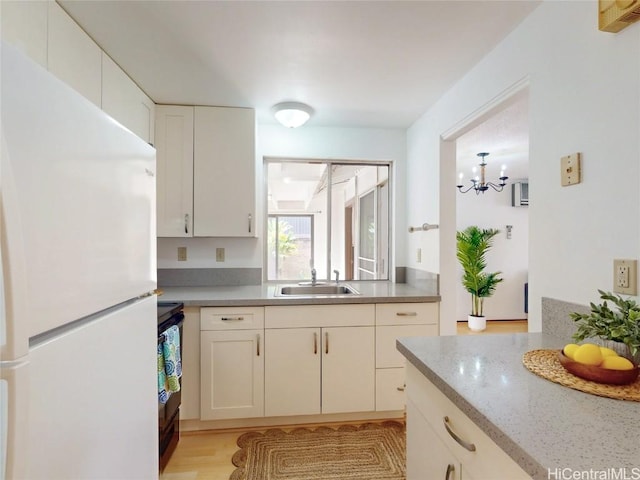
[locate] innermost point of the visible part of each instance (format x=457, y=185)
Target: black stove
x=169, y=314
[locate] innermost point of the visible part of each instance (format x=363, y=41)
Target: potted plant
x=472, y=245
x=621, y=326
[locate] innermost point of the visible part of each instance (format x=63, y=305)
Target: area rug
x=373, y=451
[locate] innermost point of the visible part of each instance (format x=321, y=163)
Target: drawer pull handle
x=407, y=314
x=401, y=389
x=326, y=343
x=469, y=446
x=186, y=223
x=250, y=218
x=258, y=345
x=315, y=343
x=232, y=319
x=451, y=469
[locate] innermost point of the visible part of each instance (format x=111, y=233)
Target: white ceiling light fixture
x=292, y=114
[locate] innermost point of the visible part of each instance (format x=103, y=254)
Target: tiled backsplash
x=423, y=280
x=556, y=320
x=208, y=277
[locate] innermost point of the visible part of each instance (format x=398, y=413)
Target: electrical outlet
x=625, y=276
x=622, y=276
x=219, y=254
x=182, y=254
x=419, y=255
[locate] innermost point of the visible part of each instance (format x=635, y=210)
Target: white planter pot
x=477, y=324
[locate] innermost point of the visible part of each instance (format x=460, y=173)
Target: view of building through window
x=329, y=216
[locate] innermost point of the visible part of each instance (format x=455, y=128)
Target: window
x=290, y=246
x=327, y=215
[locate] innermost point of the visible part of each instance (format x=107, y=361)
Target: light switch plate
x=625, y=273
x=219, y=254
x=182, y=254
x=570, y=169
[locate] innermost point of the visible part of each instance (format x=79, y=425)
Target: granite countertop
x=542, y=425
x=262, y=295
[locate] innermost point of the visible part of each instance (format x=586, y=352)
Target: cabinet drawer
x=487, y=459
x=387, y=355
x=390, y=389
x=407, y=313
x=319, y=316
x=235, y=318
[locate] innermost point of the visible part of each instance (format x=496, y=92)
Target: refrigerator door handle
x=14, y=387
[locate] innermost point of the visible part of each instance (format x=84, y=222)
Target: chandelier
x=478, y=182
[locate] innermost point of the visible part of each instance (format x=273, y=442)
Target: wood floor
x=207, y=455
x=496, y=326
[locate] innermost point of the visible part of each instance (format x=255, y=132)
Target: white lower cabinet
x=319, y=359
x=434, y=422
x=292, y=372
x=395, y=320
x=231, y=363
x=427, y=455
x=190, y=352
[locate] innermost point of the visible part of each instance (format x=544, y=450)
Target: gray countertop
x=540, y=424
x=258, y=295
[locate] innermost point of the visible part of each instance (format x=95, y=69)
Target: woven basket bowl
x=598, y=374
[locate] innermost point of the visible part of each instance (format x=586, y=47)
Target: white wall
x=584, y=97
x=509, y=256
x=304, y=142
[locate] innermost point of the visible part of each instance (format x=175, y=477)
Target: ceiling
x=505, y=136
x=356, y=63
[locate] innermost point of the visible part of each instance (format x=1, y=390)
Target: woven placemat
x=546, y=364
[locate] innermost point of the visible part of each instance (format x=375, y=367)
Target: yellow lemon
x=616, y=363
x=570, y=349
x=607, y=352
x=588, y=354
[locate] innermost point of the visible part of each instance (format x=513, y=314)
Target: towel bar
x=423, y=227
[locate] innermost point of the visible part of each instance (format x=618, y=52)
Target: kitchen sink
x=315, y=290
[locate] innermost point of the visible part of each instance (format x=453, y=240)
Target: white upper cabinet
x=224, y=172
x=73, y=56
x=174, y=173
x=125, y=101
x=24, y=25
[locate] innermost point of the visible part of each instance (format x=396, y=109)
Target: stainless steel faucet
x=337, y=276
x=313, y=276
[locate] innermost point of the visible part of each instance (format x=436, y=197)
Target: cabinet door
x=232, y=374
x=73, y=56
x=224, y=180
x=24, y=25
x=390, y=387
x=292, y=371
x=387, y=355
x=190, y=406
x=348, y=369
x=174, y=159
x=125, y=101
x=427, y=456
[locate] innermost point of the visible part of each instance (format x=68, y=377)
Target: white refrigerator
x=78, y=324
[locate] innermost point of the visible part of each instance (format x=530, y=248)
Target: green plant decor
x=472, y=245
x=621, y=326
